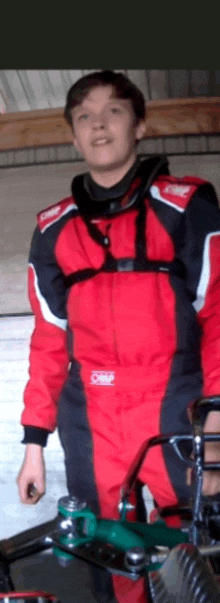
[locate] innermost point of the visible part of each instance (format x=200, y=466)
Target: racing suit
x=127, y=333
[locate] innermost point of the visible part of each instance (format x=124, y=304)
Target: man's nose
x=98, y=122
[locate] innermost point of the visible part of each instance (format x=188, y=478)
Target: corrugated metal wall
x=26, y=90
x=172, y=145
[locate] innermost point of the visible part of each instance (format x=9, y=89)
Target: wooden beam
x=170, y=117
x=179, y=117
x=33, y=129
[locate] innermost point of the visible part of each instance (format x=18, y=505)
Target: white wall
x=24, y=192
x=14, y=516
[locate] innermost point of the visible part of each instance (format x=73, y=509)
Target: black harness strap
x=140, y=243
x=138, y=264
x=79, y=276
x=125, y=265
x=95, y=234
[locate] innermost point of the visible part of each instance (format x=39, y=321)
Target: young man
x=131, y=263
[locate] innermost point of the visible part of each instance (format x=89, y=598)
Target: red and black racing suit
x=143, y=311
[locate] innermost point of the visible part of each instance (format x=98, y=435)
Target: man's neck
x=110, y=177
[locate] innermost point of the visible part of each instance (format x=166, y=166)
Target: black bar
x=16, y=314
x=28, y=542
x=51, y=161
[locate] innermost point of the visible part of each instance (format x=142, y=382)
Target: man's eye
x=83, y=116
x=115, y=110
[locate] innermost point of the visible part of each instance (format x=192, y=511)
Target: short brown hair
x=124, y=88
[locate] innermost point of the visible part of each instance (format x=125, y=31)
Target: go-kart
x=180, y=565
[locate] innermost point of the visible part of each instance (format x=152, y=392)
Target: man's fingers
x=33, y=499
x=31, y=477
x=31, y=490
x=34, y=494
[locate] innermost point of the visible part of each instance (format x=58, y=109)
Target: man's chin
x=106, y=166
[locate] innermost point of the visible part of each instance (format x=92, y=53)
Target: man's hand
x=31, y=477
x=211, y=479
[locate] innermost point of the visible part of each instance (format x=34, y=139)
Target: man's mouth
x=100, y=141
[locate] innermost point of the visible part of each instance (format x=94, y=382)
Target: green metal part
x=86, y=526
x=123, y=535
x=157, y=534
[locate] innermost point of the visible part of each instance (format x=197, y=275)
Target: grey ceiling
x=26, y=90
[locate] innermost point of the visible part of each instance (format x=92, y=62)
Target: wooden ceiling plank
x=170, y=117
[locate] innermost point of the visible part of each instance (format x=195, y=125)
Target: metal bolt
x=71, y=503
x=158, y=558
x=63, y=561
x=135, y=558
x=48, y=540
x=128, y=506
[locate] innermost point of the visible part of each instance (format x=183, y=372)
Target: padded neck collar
x=147, y=171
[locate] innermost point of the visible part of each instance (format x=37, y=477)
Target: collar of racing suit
x=101, y=193
x=132, y=189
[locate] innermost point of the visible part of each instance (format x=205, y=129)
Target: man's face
x=104, y=129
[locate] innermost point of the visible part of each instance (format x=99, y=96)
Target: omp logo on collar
x=175, y=192
x=54, y=213
x=50, y=213
x=177, y=189
x=102, y=378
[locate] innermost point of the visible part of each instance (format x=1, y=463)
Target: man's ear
x=140, y=130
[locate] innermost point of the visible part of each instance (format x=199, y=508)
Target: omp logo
x=50, y=213
x=177, y=189
x=102, y=378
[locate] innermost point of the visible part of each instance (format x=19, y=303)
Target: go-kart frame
x=132, y=549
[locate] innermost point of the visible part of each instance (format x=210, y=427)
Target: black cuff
x=35, y=435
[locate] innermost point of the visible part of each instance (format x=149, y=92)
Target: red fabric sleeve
x=49, y=361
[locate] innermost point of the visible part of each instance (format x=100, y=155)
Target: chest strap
x=138, y=264
x=125, y=265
